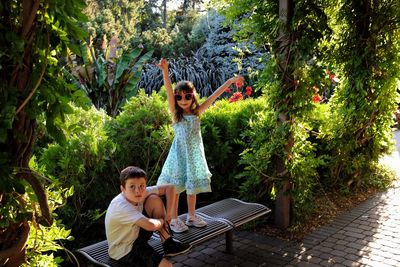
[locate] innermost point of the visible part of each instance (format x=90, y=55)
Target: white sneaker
x=195, y=221
x=178, y=226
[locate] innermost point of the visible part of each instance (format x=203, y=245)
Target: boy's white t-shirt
x=120, y=224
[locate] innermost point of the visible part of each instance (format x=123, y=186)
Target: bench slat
x=235, y=211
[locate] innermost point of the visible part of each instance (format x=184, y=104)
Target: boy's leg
x=154, y=207
x=142, y=254
x=165, y=263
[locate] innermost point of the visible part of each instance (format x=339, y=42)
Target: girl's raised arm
x=218, y=92
x=163, y=65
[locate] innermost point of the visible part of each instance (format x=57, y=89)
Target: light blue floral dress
x=186, y=165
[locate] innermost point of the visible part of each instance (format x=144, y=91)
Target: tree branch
x=7, y=255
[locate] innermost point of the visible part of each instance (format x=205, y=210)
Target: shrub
x=260, y=159
x=143, y=134
x=83, y=162
x=223, y=128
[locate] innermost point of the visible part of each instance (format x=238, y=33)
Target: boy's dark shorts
x=142, y=254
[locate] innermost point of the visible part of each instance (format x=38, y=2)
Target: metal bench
x=235, y=212
x=221, y=217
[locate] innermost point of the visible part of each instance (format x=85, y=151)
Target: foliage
x=113, y=18
x=184, y=40
x=44, y=241
x=367, y=52
x=221, y=48
x=172, y=40
x=83, y=163
x=223, y=130
x=110, y=77
x=211, y=65
x=196, y=69
x=156, y=39
x=150, y=16
x=50, y=96
x=281, y=152
x=144, y=134
x=33, y=37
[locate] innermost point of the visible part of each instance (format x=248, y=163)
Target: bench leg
x=229, y=241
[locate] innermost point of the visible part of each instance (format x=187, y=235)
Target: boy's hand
x=163, y=65
x=168, y=217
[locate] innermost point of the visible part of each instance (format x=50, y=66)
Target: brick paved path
x=367, y=235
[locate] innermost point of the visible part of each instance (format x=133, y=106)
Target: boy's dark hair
x=131, y=172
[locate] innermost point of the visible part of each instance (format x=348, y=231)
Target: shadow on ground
x=367, y=235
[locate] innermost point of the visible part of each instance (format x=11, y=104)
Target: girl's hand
x=237, y=80
x=163, y=65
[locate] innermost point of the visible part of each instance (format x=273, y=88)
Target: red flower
x=239, y=84
x=327, y=72
x=316, y=98
x=228, y=90
x=235, y=97
x=248, y=90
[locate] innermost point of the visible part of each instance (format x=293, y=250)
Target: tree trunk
x=164, y=7
x=21, y=139
x=282, y=202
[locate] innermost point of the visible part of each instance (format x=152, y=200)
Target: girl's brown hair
x=185, y=87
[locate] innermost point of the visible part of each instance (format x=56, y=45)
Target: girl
x=186, y=166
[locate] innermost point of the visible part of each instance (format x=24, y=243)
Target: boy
x=134, y=214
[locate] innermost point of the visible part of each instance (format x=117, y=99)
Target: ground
x=333, y=204
x=328, y=207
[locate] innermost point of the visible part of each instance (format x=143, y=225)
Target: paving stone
x=339, y=247
x=193, y=262
x=349, y=263
x=352, y=257
x=368, y=235
x=307, y=264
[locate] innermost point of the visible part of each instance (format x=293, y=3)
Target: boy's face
x=135, y=190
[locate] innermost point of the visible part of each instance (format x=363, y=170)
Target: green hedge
x=223, y=128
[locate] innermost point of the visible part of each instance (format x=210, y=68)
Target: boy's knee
x=153, y=198
x=154, y=201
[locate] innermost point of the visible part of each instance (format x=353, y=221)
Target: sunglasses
x=188, y=96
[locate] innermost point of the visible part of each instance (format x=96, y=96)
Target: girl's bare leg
x=176, y=206
x=191, y=202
